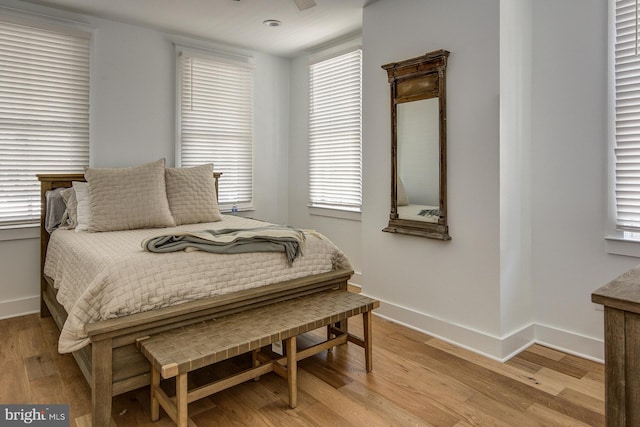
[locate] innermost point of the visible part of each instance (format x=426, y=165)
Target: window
x=44, y=112
x=216, y=121
x=627, y=115
x=335, y=132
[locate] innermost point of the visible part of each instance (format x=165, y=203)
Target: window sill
x=623, y=243
x=19, y=232
x=335, y=213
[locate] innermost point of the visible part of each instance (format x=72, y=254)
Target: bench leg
x=292, y=372
x=155, y=405
x=255, y=362
x=181, y=401
x=368, y=343
x=342, y=325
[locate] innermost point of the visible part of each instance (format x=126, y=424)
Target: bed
x=110, y=362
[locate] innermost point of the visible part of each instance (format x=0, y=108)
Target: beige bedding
x=107, y=275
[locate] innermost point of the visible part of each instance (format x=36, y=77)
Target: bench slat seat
x=179, y=351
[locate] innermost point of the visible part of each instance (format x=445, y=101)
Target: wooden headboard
x=49, y=182
x=62, y=180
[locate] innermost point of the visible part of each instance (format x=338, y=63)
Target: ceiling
x=238, y=23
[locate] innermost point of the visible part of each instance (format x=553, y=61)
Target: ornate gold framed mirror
x=419, y=146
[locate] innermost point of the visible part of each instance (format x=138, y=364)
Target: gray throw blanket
x=55, y=209
x=272, y=238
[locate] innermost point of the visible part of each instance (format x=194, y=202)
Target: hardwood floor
x=417, y=380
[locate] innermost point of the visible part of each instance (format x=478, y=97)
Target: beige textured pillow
x=192, y=194
x=128, y=198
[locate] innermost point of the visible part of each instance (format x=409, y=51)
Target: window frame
x=228, y=58
x=617, y=241
x=28, y=229
x=330, y=209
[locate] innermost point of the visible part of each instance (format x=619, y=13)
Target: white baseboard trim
x=354, y=283
x=356, y=279
x=19, y=307
x=476, y=341
x=517, y=341
x=501, y=349
x=497, y=348
x=570, y=342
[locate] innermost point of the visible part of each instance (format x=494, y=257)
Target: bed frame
x=111, y=364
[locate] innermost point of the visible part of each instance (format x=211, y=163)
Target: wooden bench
x=179, y=351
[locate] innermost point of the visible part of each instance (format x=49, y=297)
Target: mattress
x=108, y=275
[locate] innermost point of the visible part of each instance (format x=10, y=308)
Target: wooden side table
x=621, y=300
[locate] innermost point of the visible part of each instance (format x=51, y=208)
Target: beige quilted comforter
x=108, y=275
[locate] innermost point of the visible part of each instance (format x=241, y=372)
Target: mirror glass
x=419, y=160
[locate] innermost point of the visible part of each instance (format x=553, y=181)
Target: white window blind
x=627, y=116
x=335, y=132
x=44, y=112
x=216, y=122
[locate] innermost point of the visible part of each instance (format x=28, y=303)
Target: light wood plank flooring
x=417, y=380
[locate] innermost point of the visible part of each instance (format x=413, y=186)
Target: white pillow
x=128, y=198
x=401, y=197
x=192, y=194
x=84, y=209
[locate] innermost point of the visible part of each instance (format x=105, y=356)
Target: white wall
x=132, y=121
x=447, y=288
x=527, y=192
x=20, y=278
x=569, y=171
x=132, y=89
x=516, y=286
x=271, y=139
